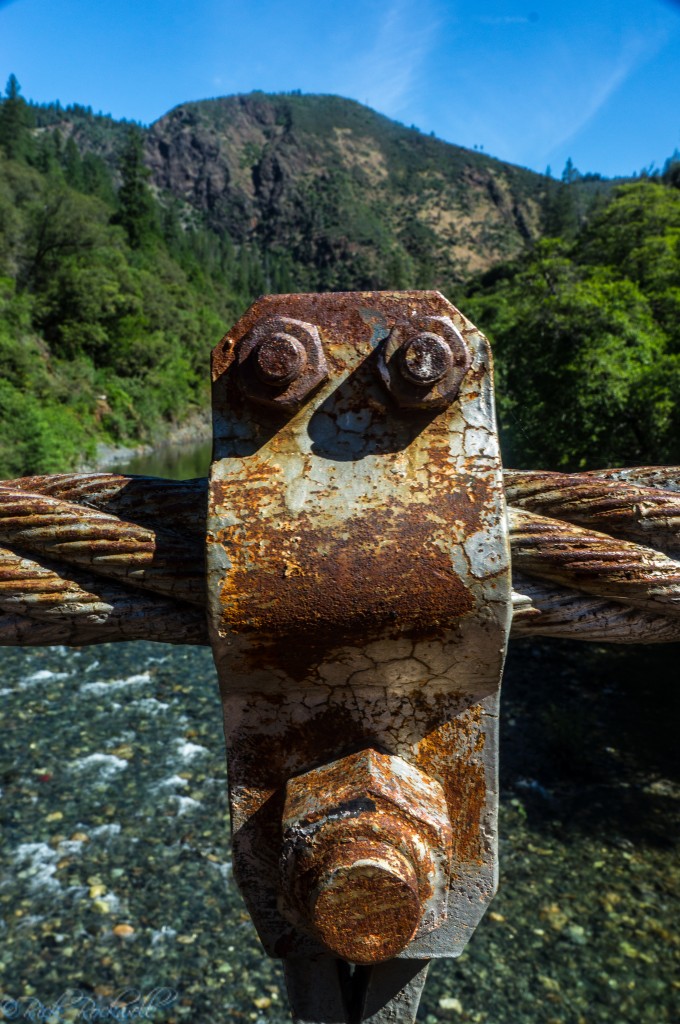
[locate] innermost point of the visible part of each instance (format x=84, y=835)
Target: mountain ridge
x=330, y=182
x=344, y=194
x=328, y=179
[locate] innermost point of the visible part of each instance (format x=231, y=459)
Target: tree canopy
x=111, y=296
x=586, y=338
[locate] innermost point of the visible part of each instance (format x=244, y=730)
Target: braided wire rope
x=88, y=558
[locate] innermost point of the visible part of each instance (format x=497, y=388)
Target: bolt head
x=425, y=359
x=280, y=359
x=280, y=362
x=423, y=362
x=365, y=906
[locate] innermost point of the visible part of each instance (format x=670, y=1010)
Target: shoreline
x=195, y=430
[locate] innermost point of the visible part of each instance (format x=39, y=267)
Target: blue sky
x=532, y=81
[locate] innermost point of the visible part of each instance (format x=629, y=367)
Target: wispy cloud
x=508, y=19
x=386, y=75
x=545, y=95
x=636, y=50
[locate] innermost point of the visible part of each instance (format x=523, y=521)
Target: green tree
x=577, y=350
x=15, y=122
x=671, y=170
x=137, y=212
x=570, y=174
x=73, y=165
x=560, y=216
x=48, y=152
x=638, y=235
x=58, y=223
x=97, y=179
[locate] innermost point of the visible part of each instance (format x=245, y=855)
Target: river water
x=116, y=867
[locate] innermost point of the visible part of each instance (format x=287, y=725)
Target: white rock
x=450, y=1003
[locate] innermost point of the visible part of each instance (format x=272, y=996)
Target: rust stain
x=154, y=559
x=366, y=911
x=632, y=511
x=329, y=590
x=345, y=314
x=285, y=347
x=452, y=754
x=590, y=561
x=266, y=763
x=382, y=572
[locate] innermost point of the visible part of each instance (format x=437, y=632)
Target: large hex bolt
x=366, y=853
x=423, y=363
x=281, y=362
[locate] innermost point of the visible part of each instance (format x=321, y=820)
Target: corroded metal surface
x=358, y=585
x=423, y=361
x=592, y=562
x=178, y=505
x=72, y=574
x=665, y=477
x=551, y=610
x=366, y=853
x=281, y=361
x=41, y=604
x=329, y=990
x=177, y=509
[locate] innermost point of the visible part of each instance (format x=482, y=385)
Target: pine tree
x=73, y=165
x=671, y=170
x=570, y=174
x=560, y=217
x=137, y=212
x=15, y=122
x=97, y=179
x=49, y=151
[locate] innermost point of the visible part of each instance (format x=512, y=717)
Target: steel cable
x=620, y=507
x=96, y=557
x=156, y=559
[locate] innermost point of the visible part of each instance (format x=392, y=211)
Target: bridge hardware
x=359, y=607
x=281, y=361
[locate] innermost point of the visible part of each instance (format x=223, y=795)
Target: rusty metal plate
x=359, y=588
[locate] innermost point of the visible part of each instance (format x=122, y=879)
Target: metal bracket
x=359, y=608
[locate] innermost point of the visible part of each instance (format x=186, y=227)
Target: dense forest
x=109, y=306
x=586, y=335
x=113, y=289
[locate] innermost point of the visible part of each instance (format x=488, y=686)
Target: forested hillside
x=108, y=305
x=125, y=252
x=344, y=194
x=586, y=336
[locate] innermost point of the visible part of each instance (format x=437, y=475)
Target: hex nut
x=280, y=362
x=422, y=362
x=366, y=852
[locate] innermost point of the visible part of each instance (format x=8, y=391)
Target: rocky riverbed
x=116, y=863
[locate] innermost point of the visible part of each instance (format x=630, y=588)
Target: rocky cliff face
x=329, y=182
